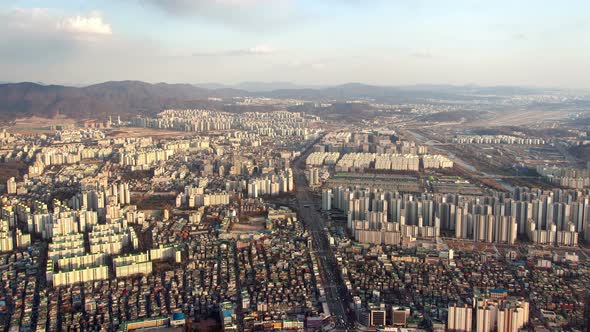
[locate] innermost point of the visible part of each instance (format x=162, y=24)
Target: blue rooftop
x=227, y=313
x=497, y=291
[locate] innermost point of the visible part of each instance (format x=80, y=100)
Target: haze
x=533, y=43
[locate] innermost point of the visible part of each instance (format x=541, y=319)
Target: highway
x=308, y=207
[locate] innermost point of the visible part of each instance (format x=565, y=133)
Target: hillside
x=98, y=101
x=128, y=98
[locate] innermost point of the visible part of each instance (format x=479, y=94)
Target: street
x=336, y=292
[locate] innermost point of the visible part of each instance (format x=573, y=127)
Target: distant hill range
x=95, y=101
x=259, y=86
x=128, y=98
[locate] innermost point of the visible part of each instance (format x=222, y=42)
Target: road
x=308, y=206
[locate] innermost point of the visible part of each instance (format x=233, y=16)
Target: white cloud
x=27, y=32
x=307, y=65
x=255, y=50
x=261, y=49
x=92, y=23
x=422, y=55
x=43, y=22
x=242, y=14
x=231, y=2
x=25, y=19
x=318, y=66
x=195, y=6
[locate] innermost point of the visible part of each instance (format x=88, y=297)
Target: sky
x=315, y=42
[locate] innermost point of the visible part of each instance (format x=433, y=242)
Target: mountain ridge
x=130, y=97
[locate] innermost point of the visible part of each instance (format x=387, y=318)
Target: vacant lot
x=253, y=224
x=144, y=132
x=520, y=118
x=37, y=125
x=10, y=169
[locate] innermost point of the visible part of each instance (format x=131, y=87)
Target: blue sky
x=394, y=42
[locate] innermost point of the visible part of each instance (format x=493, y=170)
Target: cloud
x=245, y=14
x=46, y=22
x=422, y=55
x=256, y=50
x=92, y=23
x=318, y=66
x=190, y=7
x=261, y=49
x=519, y=36
x=307, y=65
x=25, y=33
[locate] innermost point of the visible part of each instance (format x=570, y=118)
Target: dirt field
x=37, y=125
x=255, y=224
x=154, y=202
x=461, y=245
x=10, y=169
x=143, y=132
x=520, y=118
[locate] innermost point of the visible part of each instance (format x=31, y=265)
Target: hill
x=128, y=98
x=98, y=101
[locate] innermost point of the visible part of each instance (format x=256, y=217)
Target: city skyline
x=304, y=42
x=294, y=165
